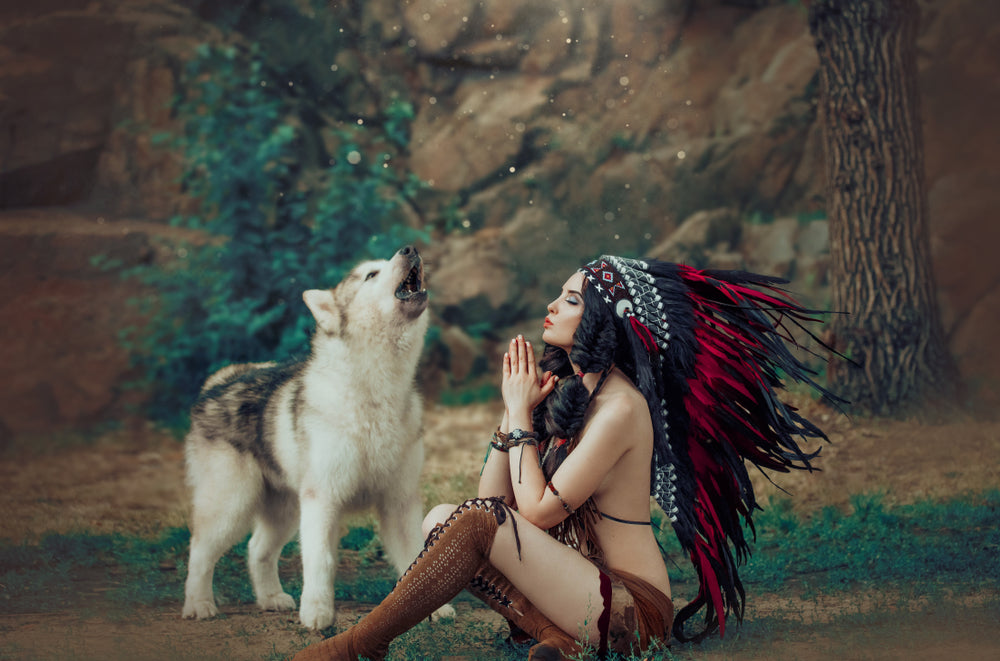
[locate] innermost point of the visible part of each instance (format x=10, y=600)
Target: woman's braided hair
x=595, y=348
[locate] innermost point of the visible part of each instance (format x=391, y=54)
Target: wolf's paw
x=316, y=615
x=200, y=610
x=277, y=602
x=446, y=612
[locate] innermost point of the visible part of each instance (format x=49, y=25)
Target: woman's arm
x=495, y=477
x=598, y=449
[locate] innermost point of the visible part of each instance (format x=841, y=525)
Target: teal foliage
x=758, y=217
x=807, y=217
x=474, y=394
x=278, y=215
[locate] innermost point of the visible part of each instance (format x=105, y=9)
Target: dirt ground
x=131, y=481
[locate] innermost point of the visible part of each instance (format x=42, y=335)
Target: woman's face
x=564, y=314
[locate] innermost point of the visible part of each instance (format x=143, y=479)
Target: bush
x=274, y=222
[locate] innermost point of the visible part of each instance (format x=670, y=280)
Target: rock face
x=61, y=318
x=680, y=129
x=84, y=86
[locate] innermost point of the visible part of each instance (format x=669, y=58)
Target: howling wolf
x=283, y=447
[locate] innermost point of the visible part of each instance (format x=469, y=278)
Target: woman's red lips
x=547, y=322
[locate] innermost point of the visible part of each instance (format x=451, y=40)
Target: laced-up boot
x=453, y=554
x=497, y=592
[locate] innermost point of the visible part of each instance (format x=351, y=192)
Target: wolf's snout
x=410, y=254
x=410, y=290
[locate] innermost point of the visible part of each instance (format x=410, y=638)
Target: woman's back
x=628, y=543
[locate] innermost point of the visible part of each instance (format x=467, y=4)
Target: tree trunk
x=882, y=277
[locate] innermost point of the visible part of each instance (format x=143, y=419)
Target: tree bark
x=882, y=278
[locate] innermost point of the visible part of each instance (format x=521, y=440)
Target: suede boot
x=453, y=554
x=497, y=592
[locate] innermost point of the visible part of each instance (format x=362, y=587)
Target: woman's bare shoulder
x=623, y=404
x=619, y=422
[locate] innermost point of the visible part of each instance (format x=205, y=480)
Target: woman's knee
x=438, y=514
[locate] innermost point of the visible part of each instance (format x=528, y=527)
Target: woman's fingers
x=522, y=357
x=549, y=381
x=516, y=350
x=522, y=384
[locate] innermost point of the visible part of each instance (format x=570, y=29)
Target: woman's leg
x=557, y=579
x=561, y=582
x=496, y=591
x=452, y=556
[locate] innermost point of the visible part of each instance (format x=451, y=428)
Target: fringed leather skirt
x=635, y=613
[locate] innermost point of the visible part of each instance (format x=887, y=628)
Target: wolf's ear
x=320, y=303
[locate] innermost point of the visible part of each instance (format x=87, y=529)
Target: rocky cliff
x=681, y=129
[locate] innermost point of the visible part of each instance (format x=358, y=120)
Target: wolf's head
x=380, y=301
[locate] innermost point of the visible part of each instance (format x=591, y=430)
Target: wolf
x=276, y=448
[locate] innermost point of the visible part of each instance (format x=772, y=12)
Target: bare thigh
x=561, y=583
x=557, y=579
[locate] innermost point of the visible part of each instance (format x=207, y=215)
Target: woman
x=658, y=380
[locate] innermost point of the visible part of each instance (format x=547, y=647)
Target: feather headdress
x=717, y=344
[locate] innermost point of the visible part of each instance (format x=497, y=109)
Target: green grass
x=151, y=572
x=940, y=543
x=920, y=549
x=929, y=542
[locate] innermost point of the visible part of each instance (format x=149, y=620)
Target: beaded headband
x=629, y=290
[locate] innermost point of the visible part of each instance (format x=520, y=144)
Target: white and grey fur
x=276, y=448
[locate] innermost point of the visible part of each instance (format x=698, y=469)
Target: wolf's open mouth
x=411, y=284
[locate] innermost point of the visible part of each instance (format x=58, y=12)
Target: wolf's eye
x=371, y=275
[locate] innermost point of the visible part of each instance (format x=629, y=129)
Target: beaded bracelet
x=499, y=441
x=555, y=493
x=520, y=437
x=504, y=442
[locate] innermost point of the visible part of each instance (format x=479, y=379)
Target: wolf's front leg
x=320, y=521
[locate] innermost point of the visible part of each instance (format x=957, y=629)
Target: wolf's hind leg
x=276, y=525
x=400, y=509
x=210, y=540
x=221, y=515
x=400, y=531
